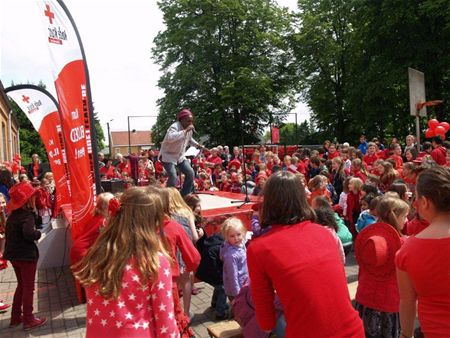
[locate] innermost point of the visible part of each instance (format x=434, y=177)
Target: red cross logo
x=49, y=13
x=25, y=99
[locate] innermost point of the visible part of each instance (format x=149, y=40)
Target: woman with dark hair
x=298, y=260
x=423, y=263
x=6, y=182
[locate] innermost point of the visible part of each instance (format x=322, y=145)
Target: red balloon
x=439, y=130
x=429, y=133
x=433, y=123
x=446, y=125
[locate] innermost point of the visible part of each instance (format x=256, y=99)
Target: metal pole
x=129, y=136
x=418, y=128
x=109, y=140
x=296, y=129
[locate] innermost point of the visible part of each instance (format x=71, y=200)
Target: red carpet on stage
x=217, y=206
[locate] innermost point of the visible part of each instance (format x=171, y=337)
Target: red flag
x=275, y=131
x=41, y=109
x=71, y=85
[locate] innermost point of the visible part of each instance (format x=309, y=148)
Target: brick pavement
x=55, y=298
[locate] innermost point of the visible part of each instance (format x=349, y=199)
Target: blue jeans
x=186, y=169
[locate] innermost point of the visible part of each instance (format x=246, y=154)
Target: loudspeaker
x=113, y=186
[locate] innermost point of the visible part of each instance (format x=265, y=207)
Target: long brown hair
x=284, y=201
x=132, y=233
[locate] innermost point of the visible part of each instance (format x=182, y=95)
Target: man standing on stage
x=173, y=148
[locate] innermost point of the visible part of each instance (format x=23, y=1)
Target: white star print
x=166, y=272
x=164, y=329
x=145, y=325
x=139, y=306
x=154, y=297
x=112, y=314
x=97, y=293
x=173, y=335
x=136, y=325
x=90, y=302
x=128, y=267
x=162, y=307
x=104, y=322
x=121, y=304
x=160, y=285
x=90, y=321
x=144, y=288
x=136, y=278
x=124, y=285
x=118, y=325
x=97, y=312
x=169, y=294
x=171, y=315
x=148, y=297
x=128, y=315
x=105, y=302
x=132, y=296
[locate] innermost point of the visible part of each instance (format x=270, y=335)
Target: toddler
x=233, y=254
x=368, y=211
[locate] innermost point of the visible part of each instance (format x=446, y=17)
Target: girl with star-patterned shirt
x=127, y=273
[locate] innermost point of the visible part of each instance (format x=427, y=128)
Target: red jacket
x=438, y=155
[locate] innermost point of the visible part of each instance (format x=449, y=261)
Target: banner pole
x=91, y=107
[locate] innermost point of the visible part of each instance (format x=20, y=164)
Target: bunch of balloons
x=436, y=128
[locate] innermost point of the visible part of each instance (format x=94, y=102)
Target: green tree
x=229, y=61
x=353, y=58
x=322, y=45
x=100, y=135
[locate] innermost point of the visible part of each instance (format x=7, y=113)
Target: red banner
x=73, y=96
x=41, y=110
x=275, y=132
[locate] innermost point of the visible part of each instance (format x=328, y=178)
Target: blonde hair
x=232, y=223
x=356, y=182
x=389, y=208
x=177, y=205
x=101, y=203
x=134, y=232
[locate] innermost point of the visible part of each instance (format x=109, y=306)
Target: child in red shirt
x=377, y=296
x=353, y=203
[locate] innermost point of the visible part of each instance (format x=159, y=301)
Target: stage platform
x=217, y=206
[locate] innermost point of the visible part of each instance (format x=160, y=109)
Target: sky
x=117, y=42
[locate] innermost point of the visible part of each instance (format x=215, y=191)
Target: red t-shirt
x=427, y=262
x=398, y=161
x=369, y=160
x=333, y=155
x=179, y=240
x=302, y=264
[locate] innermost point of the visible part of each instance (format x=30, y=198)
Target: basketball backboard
x=416, y=91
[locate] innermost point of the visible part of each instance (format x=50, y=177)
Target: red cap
x=182, y=114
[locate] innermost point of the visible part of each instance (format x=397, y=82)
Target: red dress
x=301, y=263
x=427, y=262
x=141, y=310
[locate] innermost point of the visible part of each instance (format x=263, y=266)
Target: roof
x=137, y=138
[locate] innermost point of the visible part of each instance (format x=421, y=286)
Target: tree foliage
x=229, y=61
x=353, y=59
